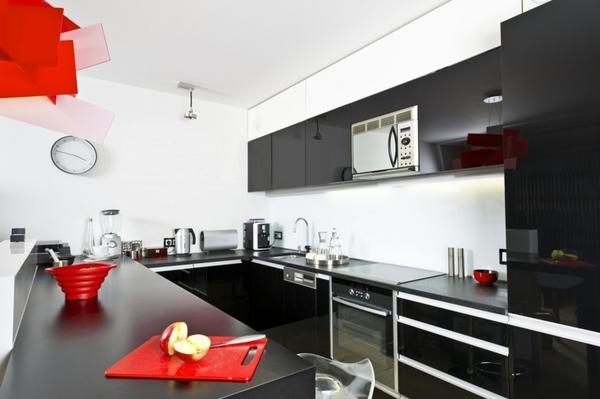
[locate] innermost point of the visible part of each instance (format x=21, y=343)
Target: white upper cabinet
x=458, y=30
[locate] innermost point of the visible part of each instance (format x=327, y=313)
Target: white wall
x=408, y=222
x=161, y=170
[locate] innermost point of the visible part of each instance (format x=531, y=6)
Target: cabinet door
x=266, y=301
x=550, y=62
x=288, y=156
x=451, y=106
x=225, y=287
x=394, y=99
x=259, y=164
x=182, y=277
x=327, y=157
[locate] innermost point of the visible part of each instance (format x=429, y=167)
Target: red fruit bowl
x=485, y=277
x=81, y=281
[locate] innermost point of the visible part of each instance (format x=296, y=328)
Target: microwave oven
x=386, y=146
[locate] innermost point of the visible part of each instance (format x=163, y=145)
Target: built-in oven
x=362, y=326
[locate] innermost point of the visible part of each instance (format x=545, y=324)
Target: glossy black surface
x=288, y=157
x=470, y=363
x=259, y=164
x=550, y=61
x=462, y=291
x=63, y=348
x=553, y=367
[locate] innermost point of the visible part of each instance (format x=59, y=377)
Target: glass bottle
x=335, y=245
x=88, y=238
x=323, y=246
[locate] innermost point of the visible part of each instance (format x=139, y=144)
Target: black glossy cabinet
x=259, y=164
x=288, y=157
x=550, y=61
x=451, y=106
x=329, y=155
x=391, y=100
x=293, y=315
x=225, y=287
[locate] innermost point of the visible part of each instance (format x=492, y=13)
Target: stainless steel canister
x=450, y=262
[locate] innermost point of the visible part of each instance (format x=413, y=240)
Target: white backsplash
x=410, y=223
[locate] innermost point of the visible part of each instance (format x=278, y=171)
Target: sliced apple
x=193, y=348
x=174, y=332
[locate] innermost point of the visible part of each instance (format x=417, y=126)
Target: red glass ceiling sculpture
x=40, y=52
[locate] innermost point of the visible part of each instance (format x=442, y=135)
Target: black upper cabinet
x=327, y=157
x=259, y=164
x=288, y=157
x=551, y=62
x=391, y=100
x=451, y=106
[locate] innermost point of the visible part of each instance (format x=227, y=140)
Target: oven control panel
x=359, y=294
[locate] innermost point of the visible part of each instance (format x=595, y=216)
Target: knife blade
x=239, y=340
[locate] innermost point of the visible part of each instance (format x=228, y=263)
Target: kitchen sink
x=293, y=255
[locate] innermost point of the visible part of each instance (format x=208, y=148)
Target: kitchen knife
x=239, y=340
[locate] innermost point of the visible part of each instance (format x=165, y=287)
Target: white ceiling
x=235, y=52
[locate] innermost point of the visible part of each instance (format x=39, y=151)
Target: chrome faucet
x=307, y=246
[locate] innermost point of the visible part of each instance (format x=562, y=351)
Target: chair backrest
x=333, y=378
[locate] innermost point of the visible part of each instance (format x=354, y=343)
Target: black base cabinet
x=445, y=353
x=295, y=316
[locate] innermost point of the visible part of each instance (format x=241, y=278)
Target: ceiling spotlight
x=190, y=112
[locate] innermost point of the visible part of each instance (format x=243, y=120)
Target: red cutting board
x=223, y=363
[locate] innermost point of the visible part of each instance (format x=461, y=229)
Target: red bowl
x=81, y=281
x=485, y=277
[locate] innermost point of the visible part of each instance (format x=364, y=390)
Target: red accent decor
x=219, y=364
x=492, y=149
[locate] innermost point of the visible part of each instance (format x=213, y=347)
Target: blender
x=111, y=223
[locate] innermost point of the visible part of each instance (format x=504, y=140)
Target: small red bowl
x=485, y=277
x=81, y=281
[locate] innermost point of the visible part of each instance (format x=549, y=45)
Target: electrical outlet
x=279, y=235
x=169, y=242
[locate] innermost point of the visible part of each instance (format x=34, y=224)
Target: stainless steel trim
x=217, y=263
x=559, y=330
x=361, y=307
x=187, y=266
x=448, y=378
x=265, y=263
x=500, y=318
x=296, y=276
x=488, y=346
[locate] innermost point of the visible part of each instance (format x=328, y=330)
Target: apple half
x=193, y=348
x=174, y=332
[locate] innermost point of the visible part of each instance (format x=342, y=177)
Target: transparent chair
x=335, y=379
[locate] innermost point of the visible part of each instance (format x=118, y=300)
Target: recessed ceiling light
x=492, y=99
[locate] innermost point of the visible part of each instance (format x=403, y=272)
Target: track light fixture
x=318, y=135
x=190, y=112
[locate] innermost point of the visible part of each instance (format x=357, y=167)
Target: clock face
x=73, y=155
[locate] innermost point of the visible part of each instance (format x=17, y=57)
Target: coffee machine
x=257, y=235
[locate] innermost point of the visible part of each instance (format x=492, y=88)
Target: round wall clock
x=73, y=155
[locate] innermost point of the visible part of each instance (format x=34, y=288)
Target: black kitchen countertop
x=466, y=292
x=63, y=348
x=462, y=291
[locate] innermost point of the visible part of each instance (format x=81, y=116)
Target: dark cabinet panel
x=550, y=61
x=327, y=157
x=225, y=287
x=394, y=99
x=288, y=157
x=259, y=164
x=266, y=302
x=451, y=106
x=545, y=366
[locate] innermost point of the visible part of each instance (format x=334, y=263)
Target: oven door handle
x=361, y=307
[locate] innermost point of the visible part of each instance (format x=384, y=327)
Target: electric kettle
x=184, y=239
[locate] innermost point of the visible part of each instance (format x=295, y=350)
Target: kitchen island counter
x=63, y=348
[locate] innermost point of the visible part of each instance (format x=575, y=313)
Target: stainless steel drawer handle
x=360, y=307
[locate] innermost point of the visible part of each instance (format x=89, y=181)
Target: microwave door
x=370, y=151
x=393, y=147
